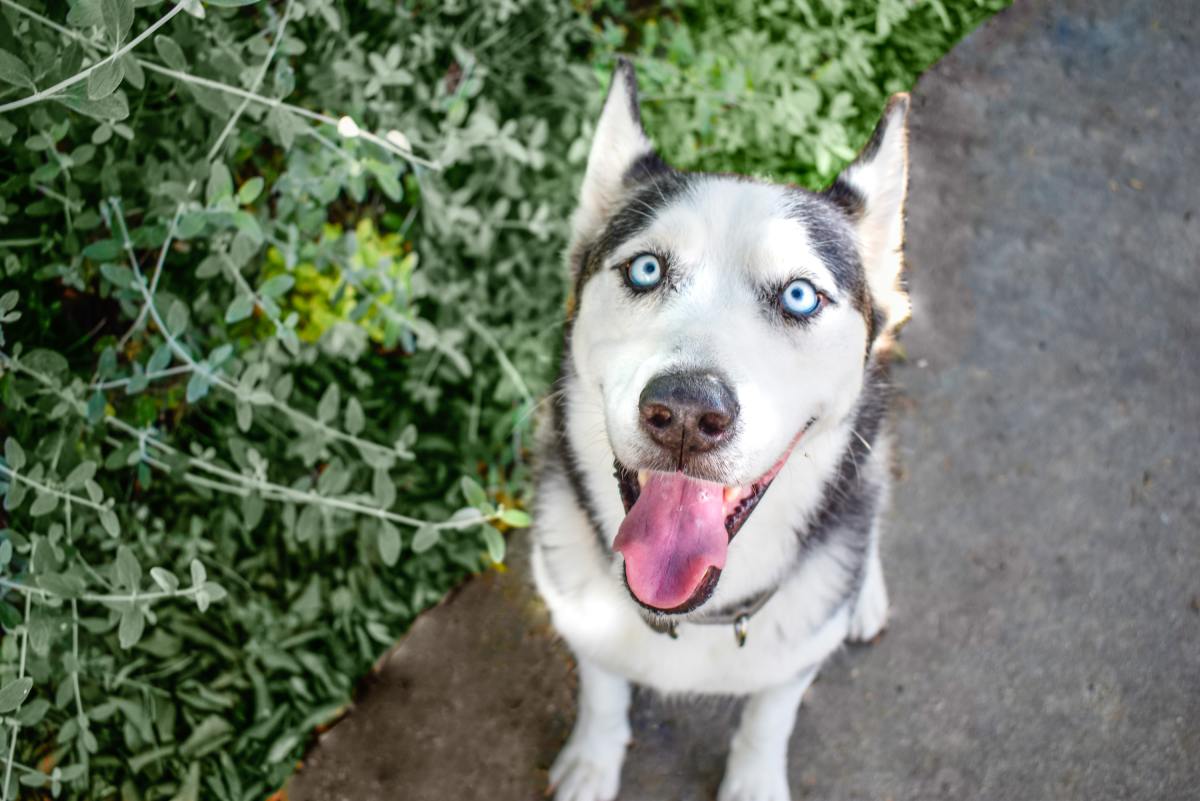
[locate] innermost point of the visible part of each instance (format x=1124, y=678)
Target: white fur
x=883, y=183
x=726, y=236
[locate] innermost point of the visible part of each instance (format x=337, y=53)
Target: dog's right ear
x=617, y=145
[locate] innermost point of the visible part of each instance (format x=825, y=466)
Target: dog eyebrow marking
x=656, y=186
x=831, y=238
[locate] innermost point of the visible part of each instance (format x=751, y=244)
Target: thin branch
x=117, y=598
x=83, y=75
x=299, y=110
x=243, y=485
x=16, y=727
x=233, y=90
x=37, y=485
x=182, y=369
x=509, y=368
x=257, y=82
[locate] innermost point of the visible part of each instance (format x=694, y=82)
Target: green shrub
x=278, y=289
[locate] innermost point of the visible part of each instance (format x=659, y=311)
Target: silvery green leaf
x=10, y=618
x=473, y=493
x=277, y=286
x=177, y=318
x=85, y=14
x=170, y=52
x=515, y=518
x=8, y=301
x=6, y=552
x=383, y=488
x=283, y=387
x=14, y=71
x=32, y=712
x=285, y=125
x=389, y=543
x=253, y=508
x=199, y=574
x=245, y=415
x=241, y=308
x=308, y=526
x=220, y=354
x=41, y=631
x=247, y=223
x=133, y=623
x=110, y=522
x=133, y=71
x=165, y=579
x=43, y=504
x=112, y=108
x=16, y=494
x=105, y=79
x=190, y=225
x=14, y=454
x=64, y=585
x=354, y=416
x=331, y=399
x=425, y=538
x=95, y=407
x=220, y=184
x=198, y=386
x=13, y=694
x=82, y=473
x=118, y=275
x=282, y=747
x=129, y=572
x=249, y=191
x=495, y=544
x=118, y=19
x=137, y=382
x=159, y=359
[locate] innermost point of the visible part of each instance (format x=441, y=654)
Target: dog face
x=720, y=320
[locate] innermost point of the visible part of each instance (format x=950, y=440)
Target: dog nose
x=693, y=410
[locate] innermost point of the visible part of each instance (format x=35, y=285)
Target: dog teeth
x=643, y=477
x=732, y=494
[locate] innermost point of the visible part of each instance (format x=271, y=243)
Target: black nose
x=692, y=411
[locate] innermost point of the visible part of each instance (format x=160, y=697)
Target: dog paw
x=871, y=609
x=754, y=779
x=582, y=773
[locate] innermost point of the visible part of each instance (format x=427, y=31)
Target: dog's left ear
x=872, y=191
x=617, y=145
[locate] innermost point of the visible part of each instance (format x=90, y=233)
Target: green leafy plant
x=279, y=288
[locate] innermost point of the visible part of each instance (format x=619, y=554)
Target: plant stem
x=82, y=75
x=16, y=727
x=233, y=90
x=99, y=597
x=258, y=79
x=15, y=476
x=182, y=369
x=509, y=368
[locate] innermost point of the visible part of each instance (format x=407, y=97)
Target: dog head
x=718, y=321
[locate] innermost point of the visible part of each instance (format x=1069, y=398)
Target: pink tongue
x=670, y=538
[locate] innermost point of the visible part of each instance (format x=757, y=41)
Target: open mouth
x=677, y=531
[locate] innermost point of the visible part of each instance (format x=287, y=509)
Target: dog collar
x=737, y=615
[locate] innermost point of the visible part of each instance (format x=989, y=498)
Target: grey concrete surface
x=1043, y=552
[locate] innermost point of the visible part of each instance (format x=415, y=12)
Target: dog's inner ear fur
x=872, y=191
x=618, y=143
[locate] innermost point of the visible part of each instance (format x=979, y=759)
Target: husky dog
x=716, y=458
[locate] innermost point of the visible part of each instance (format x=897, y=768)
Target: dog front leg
x=757, y=765
x=589, y=766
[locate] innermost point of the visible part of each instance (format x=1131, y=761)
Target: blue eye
x=800, y=298
x=645, y=271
